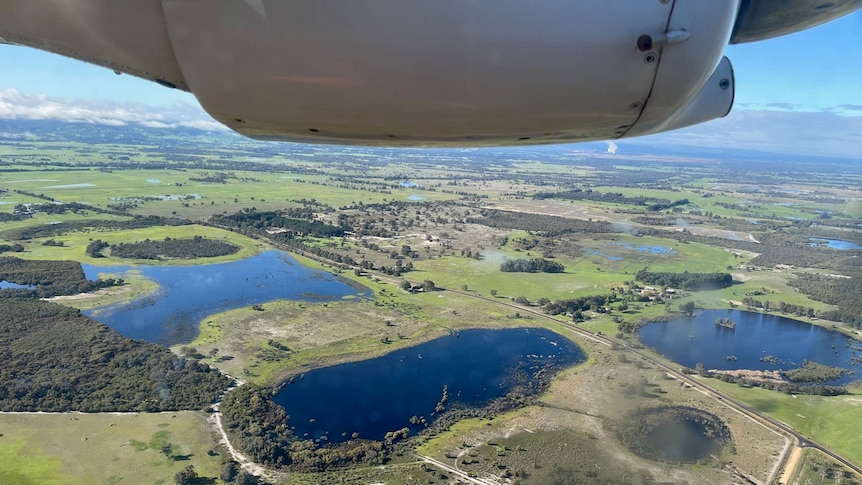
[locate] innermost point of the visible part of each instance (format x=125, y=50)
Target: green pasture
x=593, y=272
x=75, y=245
x=831, y=421
x=48, y=449
x=190, y=199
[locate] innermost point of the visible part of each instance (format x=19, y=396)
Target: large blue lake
x=374, y=396
x=187, y=294
x=688, y=341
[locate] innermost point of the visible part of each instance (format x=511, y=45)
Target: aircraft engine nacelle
x=411, y=72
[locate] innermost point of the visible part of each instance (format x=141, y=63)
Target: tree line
x=685, y=280
x=549, y=225
x=50, y=278
x=51, y=230
x=54, y=359
x=259, y=426
x=264, y=220
x=537, y=265
x=843, y=292
x=651, y=203
x=196, y=247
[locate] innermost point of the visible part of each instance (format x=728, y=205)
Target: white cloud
x=791, y=132
x=16, y=105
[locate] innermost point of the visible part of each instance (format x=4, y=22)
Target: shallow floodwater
x=187, y=294
x=374, y=396
x=646, y=248
x=682, y=440
x=757, y=336
x=834, y=244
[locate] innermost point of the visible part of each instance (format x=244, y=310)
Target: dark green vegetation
x=651, y=203
x=674, y=434
x=814, y=372
x=537, y=265
x=836, y=290
x=196, y=247
x=686, y=280
x=51, y=278
x=291, y=225
x=36, y=231
x=52, y=358
x=259, y=427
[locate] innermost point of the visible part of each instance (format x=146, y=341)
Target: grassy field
x=191, y=199
x=75, y=245
x=831, y=421
x=602, y=265
x=818, y=469
x=51, y=449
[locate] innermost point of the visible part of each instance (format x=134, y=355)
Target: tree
x=186, y=476
x=246, y=478
x=428, y=285
x=405, y=285
x=229, y=471
x=687, y=307
x=494, y=293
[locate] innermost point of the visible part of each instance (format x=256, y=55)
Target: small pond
x=596, y=252
x=70, y=186
x=646, y=248
x=374, y=396
x=415, y=198
x=674, y=434
x=759, y=342
x=833, y=244
x=187, y=294
x=5, y=284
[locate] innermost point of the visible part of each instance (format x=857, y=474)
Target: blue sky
x=808, y=83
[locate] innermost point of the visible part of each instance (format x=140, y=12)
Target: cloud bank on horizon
x=16, y=105
x=776, y=128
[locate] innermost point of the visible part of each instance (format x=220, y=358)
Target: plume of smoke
x=612, y=147
x=624, y=228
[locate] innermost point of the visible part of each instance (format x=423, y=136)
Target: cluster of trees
x=50, y=278
x=549, y=225
x=685, y=280
x=843, y=292
x=54, y=359
x=196, y=247
x=574, y=305
x=814, y=372
x=11, y=248
x=537, y=265
x=214, y=178
x=52, y=230
x=651, y=203
x=783, y=386
x=94, y=249
x=265, y=220
x=259, y=427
